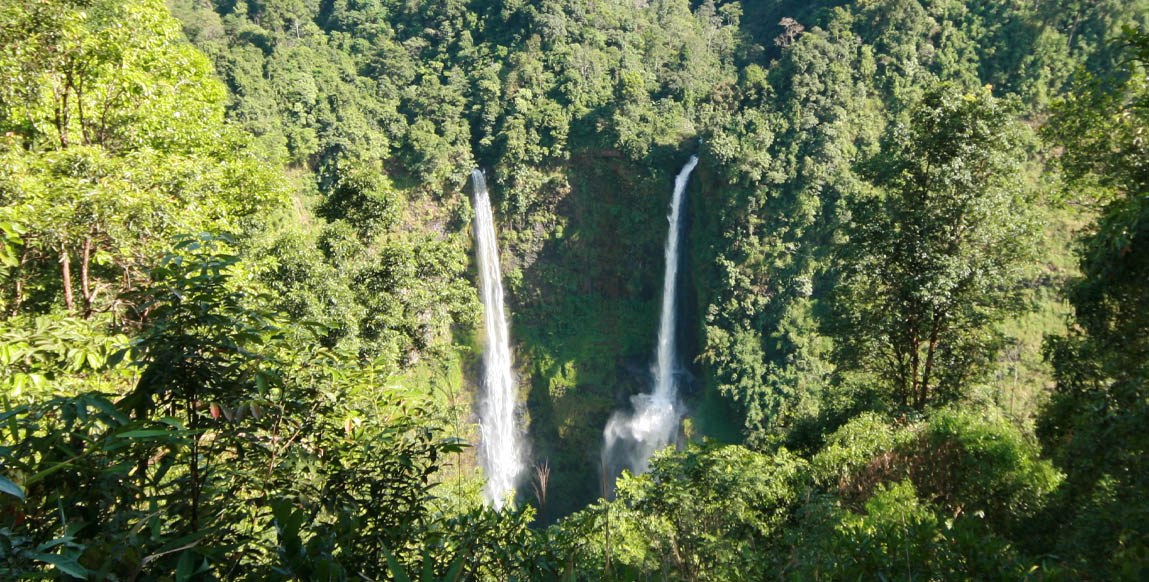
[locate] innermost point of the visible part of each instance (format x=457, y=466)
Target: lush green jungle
x=240, y=327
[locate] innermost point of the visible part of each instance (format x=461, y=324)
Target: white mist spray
x=631, y=439
x=500, y=449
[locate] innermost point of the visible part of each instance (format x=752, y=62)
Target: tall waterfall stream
x=501, y=445
x=631, y=438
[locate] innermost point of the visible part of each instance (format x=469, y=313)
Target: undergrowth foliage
x=237, y=426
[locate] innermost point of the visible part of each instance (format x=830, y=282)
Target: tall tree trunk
x=935, y=329
x=903, y=377
x=18, y=297
x=194, y=468
x=84, y=137
x=1072, y=31
x=85, y=286
x=915, y=365
x=66, y=271
x=61, y=110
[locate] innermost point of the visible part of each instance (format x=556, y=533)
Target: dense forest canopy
x=239, y=315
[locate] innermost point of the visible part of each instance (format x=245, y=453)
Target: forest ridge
x=239, y=315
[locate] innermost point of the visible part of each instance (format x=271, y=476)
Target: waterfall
x=500, y=448
x=630, y=439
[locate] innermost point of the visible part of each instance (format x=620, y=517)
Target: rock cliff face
x=583, y=289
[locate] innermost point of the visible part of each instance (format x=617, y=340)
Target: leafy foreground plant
x=244, y=450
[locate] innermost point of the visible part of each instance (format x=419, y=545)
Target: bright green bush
x=897, y=536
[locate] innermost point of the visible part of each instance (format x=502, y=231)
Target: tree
x=117, y=75
x=712, y=511
x=790, y=30
x=1095, y=424
x=114, y=141
x=934, y=248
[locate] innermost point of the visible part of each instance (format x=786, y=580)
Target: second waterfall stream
x=631, y=438
x=501, y=446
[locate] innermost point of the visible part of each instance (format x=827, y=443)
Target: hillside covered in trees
x=240, y=325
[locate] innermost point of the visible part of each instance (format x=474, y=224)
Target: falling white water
x=500, y=448
x=630, y=439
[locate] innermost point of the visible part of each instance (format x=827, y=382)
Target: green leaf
x=65, y=564
x=456, y=569
x=8, y=256
x=7, y=486
x=117, y=357
x=173, y=422
x=109, y=409
x=396, y=570
x=136, y=434
x=185, y=567
x=94, y=360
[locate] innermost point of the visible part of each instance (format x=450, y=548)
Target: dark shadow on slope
x=586, y=315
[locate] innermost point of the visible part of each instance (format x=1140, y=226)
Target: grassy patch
x=1022, y=378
